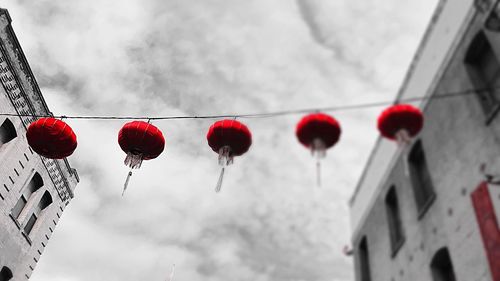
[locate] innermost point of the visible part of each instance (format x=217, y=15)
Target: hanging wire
x=268, y=114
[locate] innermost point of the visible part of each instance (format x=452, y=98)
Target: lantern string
x=267, y=114
x=403, y=140
x=171, y=278
x=219, y=182
x=318, y=172
x=127, y=181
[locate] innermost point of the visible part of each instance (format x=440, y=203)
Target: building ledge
x=15, y=221
x=6, y=13
x=32, y=99
x=492, y=114
x=423, y=210
x=442, y=36
x=397, y=247
x=28, y=239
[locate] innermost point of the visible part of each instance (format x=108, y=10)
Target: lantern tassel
x=126, y=182
x=219, y=182
x=171, y=278
x=318, y=150
x=134, y=161
x=225, y=159
x=403, y=139
x=405, y=161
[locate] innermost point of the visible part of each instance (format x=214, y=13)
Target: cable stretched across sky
x=268, y=114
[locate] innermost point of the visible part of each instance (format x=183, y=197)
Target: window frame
x=20, y=211
x=6, y=274
x=44, y=202
x=364, y=260
x=478, y=46
x=394, y=222
x=441, y=263
x=28, y=227
x=8, y=130
x=419, y=172
x=34, y=184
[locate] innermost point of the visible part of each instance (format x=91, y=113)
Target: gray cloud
x=205, y=57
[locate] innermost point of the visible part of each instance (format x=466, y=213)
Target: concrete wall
x=447, y=23
x=18, y=251
x=19, y=93
x=456, y=139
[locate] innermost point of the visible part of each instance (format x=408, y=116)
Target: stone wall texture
x=457, y=137
x=19, y=94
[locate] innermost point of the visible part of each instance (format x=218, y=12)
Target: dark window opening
x=483, y=68
x=423, y=188
x=5, y=274
x=7, y=132
x=31, y=222
x=18, y=208
x=483, y=5
x=45, y=201
x=441, y=266
x=394, y=220
x=364, y=260
x=35, y=183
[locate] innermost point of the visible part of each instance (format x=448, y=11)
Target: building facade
x=34, y=191
x=430, y=211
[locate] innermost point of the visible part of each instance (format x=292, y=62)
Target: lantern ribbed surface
x=318, y=126
x=230, y=133
x=51, y=138
x=139, y=137
x=400, y=117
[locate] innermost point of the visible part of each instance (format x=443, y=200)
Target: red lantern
x=228, y=138
x=318, y=132
x=400, y=122
x=141, y=141
x=51, y=138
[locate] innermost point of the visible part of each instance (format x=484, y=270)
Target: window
x=35, y=183
x=441, y=266
x=423, y=188
x=5, y=274
x=7, y=132
x=31, y=222
x=394, y=220
x=484, y=70
x=45, y=201
x=364, y=260
x=483, y=5
x=16, y=211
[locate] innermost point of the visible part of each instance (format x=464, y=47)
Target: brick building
x=34, y=191
x=428, y=211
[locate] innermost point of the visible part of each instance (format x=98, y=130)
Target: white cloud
x=206, y=57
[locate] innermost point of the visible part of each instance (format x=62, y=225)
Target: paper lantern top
x=51, y=138
x=318, y=126
x=230, y=133
x=400, y=117
x=141, y=138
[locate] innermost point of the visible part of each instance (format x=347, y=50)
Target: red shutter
x=488, y=225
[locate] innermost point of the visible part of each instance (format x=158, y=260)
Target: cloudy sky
x=178, y=57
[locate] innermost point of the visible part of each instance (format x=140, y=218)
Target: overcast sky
x=178, y=57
